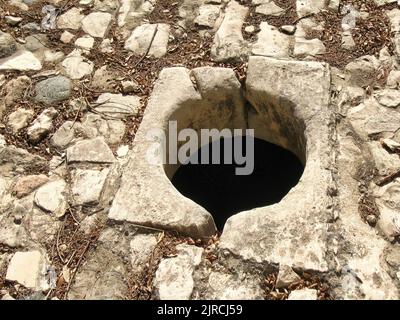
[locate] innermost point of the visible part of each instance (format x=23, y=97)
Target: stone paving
x=83, y=217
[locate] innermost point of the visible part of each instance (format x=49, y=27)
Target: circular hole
x=218, y=188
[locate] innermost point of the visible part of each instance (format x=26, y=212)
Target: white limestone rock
x=51, y=197
x=174, y=276
x=76, y=66
x=72, y=19
x=228, y=41
x=21, y=61
x=19, y=119
x=90, y=150
x=97, y=24
x=28, y=269
x=303, y=294
x=388, y=97
x=271, y=42
x=140, y=39
x=87, y=186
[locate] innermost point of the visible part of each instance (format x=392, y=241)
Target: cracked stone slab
x=292, y=232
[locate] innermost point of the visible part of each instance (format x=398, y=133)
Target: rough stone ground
x=73, y=92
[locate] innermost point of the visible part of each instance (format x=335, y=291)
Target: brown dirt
x=307, y=281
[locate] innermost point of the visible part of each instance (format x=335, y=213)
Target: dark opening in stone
x=218, y=189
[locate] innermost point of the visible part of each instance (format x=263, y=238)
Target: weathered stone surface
x=51, y=197
x=91, y=150
x=21, y=61
x=141, y=249
x=66, y=37
x=369, y=118
x=208, y=15
x=13, y=159
x=53, y=90
x=293, y=231
x=19, y=119
x=226, y=286
x=388, y=98
x=28, y=269
x=67, y=134
x=95, y=125
x=271, y=42
x=286, y=277
x=76, y=66
x=96, y=24
x=228, y=41
x=303, y=294
x=174, y=276
x=140, y=39
x=27, y=184
x=71, y=19
x=269, y=9
x=15, y=90
x=87, y=186
x=163, y=206
x=7, y=45
x=305, y=7
x=117, y=105
x=304, y=47
x=103, y=273
x=42, y=125
x=85, y=42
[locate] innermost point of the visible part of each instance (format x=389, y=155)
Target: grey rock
x=7, y=45
x=103, y=274
x=53, y=90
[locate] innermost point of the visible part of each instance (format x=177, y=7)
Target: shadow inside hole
x=220, y=191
